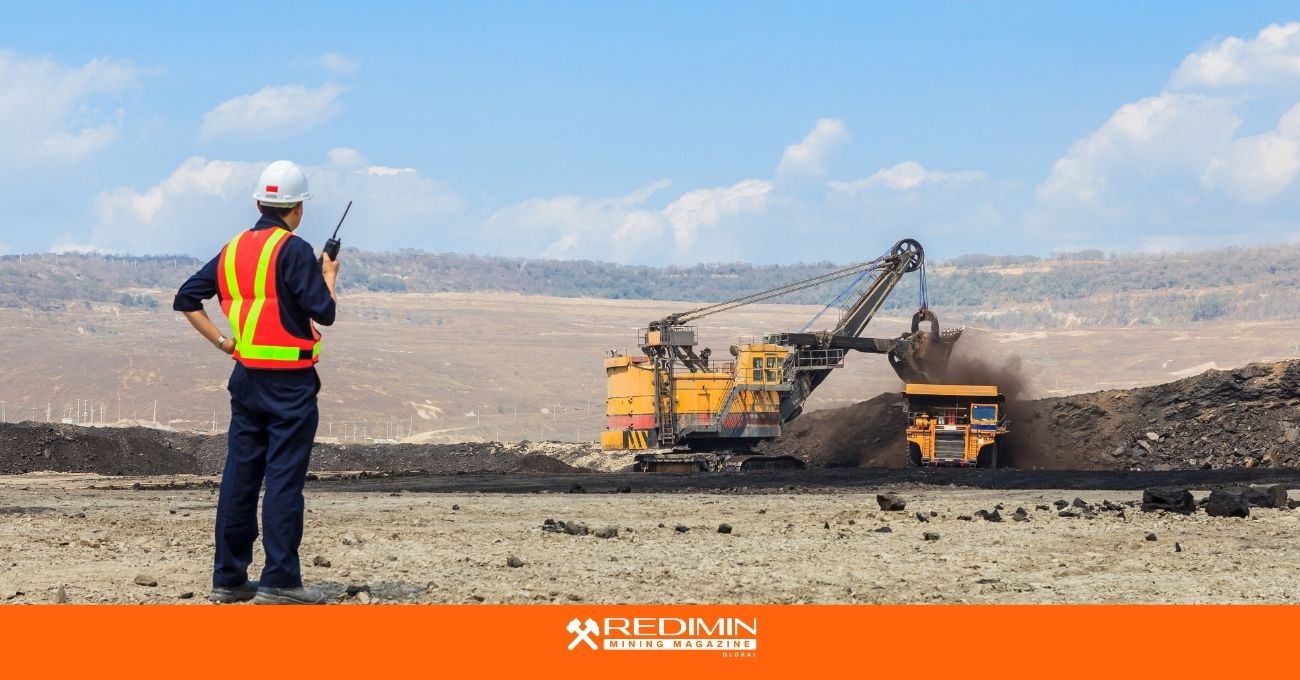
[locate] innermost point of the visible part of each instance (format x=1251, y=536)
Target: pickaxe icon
x=582, y=632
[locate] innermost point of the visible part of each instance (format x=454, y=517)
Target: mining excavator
x=685, y=411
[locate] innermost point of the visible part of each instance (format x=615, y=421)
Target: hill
x=1087, y=288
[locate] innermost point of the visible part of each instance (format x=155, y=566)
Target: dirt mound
x=1246, y=417
x=26, y=447
x=866, y=434
x=29, y=447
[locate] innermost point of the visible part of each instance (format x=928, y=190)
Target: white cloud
x=339, y=64
x=1271, y=57
x=708, y=207
x=906, y=176
x=52, y=113
x=274, y=112
x=808, y=157
x=575, y=226
x=1167, y=137
x=344, y=157
x=203, y=202
x=1259, y=167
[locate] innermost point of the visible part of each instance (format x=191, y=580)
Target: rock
x=1151, y=537
x=187, y=595
x=884, y=530
x=930, y=536
x=552, y=526
x=891, y=502
x=624, y=489
x=922, y=517
x=1153, y=436
x=1080, y=503
x=1292, y=505
x=1111, y=507
x=934, y=513
x=994, y=516
x=998, y=507
x=577, y=488
x=726, y=528
x=661, y=525
x=1257, y=497
x=826, y=525
x=1061, y=503
x=981, y=513
x=146, y=581
x=681, y=528
x=1228, y=503
x=455, y=506
x=1067, y=513
x=574, y=528
x=1277, y=496
x=1170, y=498
x=1020, y=515
x=964, y=518
x=1178, y=547
x=354, y=589
x=514, y=562
x=606, y=532
x=61, y=596
x=363, y=597
x=1042, y=507
x=319, y=561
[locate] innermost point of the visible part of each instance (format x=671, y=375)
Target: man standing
x=271, y=289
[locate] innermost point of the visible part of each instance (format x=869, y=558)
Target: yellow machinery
x=954, y=424
x=681, y=410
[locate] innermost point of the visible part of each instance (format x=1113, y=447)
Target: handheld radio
x=332, y=246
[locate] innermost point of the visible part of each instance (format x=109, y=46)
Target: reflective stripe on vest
x=261, y=341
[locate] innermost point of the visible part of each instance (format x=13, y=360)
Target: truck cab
x=954, y=425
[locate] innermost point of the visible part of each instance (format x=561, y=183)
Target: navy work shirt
x=299, y=285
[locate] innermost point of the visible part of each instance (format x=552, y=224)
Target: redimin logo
x=664, y=633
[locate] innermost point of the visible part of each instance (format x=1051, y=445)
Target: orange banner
x=1061, y=641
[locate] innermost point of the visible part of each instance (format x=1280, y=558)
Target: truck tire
x=988, y=457
x=913, y=455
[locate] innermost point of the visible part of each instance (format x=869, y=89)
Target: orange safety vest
x=247, y=280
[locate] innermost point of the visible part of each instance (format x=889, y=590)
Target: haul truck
x=957, y=425
x=681, y=410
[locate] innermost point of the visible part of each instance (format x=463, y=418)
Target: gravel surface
x=55, y=533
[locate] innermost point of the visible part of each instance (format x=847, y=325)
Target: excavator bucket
x=922, y=356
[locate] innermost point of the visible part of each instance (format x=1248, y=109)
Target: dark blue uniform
x=273, y=418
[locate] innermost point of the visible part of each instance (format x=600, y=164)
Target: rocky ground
x=62, y=541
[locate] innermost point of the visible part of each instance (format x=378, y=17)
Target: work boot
x=233, y=594
x=299, y=595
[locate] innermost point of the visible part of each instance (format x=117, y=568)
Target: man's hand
x=329, y=268
x=228, y=346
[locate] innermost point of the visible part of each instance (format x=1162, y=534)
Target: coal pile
x=31, y=447
x=1242, y=418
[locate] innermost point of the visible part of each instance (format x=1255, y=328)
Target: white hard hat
x=282, y=185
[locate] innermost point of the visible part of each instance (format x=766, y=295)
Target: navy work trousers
x=273, y=418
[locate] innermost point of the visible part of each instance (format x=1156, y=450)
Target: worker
x=273, y=290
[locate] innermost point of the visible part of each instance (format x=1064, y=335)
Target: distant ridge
x=1080, y=288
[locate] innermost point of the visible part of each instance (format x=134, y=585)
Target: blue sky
x=657, y=133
